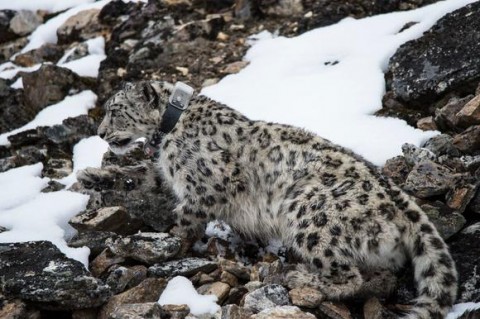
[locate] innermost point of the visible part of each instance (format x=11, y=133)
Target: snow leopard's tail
x=435, y=273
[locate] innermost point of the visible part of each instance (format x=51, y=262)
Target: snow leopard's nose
x=101, y=134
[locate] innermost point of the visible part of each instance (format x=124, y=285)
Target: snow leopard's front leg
x=190, y=222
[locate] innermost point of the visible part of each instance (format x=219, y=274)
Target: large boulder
x=445, y=59
x=38, y=272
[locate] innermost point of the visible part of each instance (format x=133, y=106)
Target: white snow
x=86, y=153
x=71, y=106
x=180, y=291
x=90, y=64
x=8, y=70
x=30, y=215
x=459, y=309
x=47, y=5
x=330, y=80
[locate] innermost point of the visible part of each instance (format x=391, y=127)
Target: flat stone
x=468, y=141
x=110, y=219
x=428, y=179
x=38, y=272
x=218, y=289
x=470, y=113
x=146, y=247
x=183, y=267
x=283, y=312
x=414, y=155
x=48, y=52
x=306, y=297
x=266, y=297
x=236, y=269
x=228, y=278
x=147, y=310
x=148, y=290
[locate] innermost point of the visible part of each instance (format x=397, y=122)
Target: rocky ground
x=200, y=42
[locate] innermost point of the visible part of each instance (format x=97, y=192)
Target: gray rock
x=110, y=219
x=266, y=297
x=182, y=267
x=24, y=22
x=429, y=179
x=121, y=277
x=429, y=75
x=468, y=141
x=38, y=272
x=94, y=240
x=446, y=221
x=146, y=247
x=13, y=112
x=442, y=145
x=414, y=155
x=148, y=310
x=465, y=250
x=58, y=168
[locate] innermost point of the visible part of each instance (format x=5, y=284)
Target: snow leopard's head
x=133, y=112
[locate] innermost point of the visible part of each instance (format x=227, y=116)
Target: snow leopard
x=268, y=180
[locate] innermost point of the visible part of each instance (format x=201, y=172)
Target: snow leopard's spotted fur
x=272, y=180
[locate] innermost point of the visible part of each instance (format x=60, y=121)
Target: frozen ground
x=329, y=80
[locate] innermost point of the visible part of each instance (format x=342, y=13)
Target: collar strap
x=177, y=103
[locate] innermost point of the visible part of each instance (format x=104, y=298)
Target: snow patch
x=460, y=308
x=180, y=291
x=331, y=80
x=47, y=5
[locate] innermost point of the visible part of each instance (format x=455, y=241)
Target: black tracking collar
x=177, y=103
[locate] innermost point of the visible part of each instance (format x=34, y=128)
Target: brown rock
x=58, y=168
x=236, y=269
x=427, y=124
x=234, y=67
x=236, y=295
x=229, y=279
x=103, y=261
x=218, y=289
x=446, y=117
x=7, y=50
x=397, y=169
x=176, y=311
x=115, y=219
x=459, y=197
x=148, y=290
x=81, y=26
x=469, y=140
x=470, y=113
x=283, y=312
x=13, y=309
x=334, y=310
x=306, y=297
x=48, y=52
